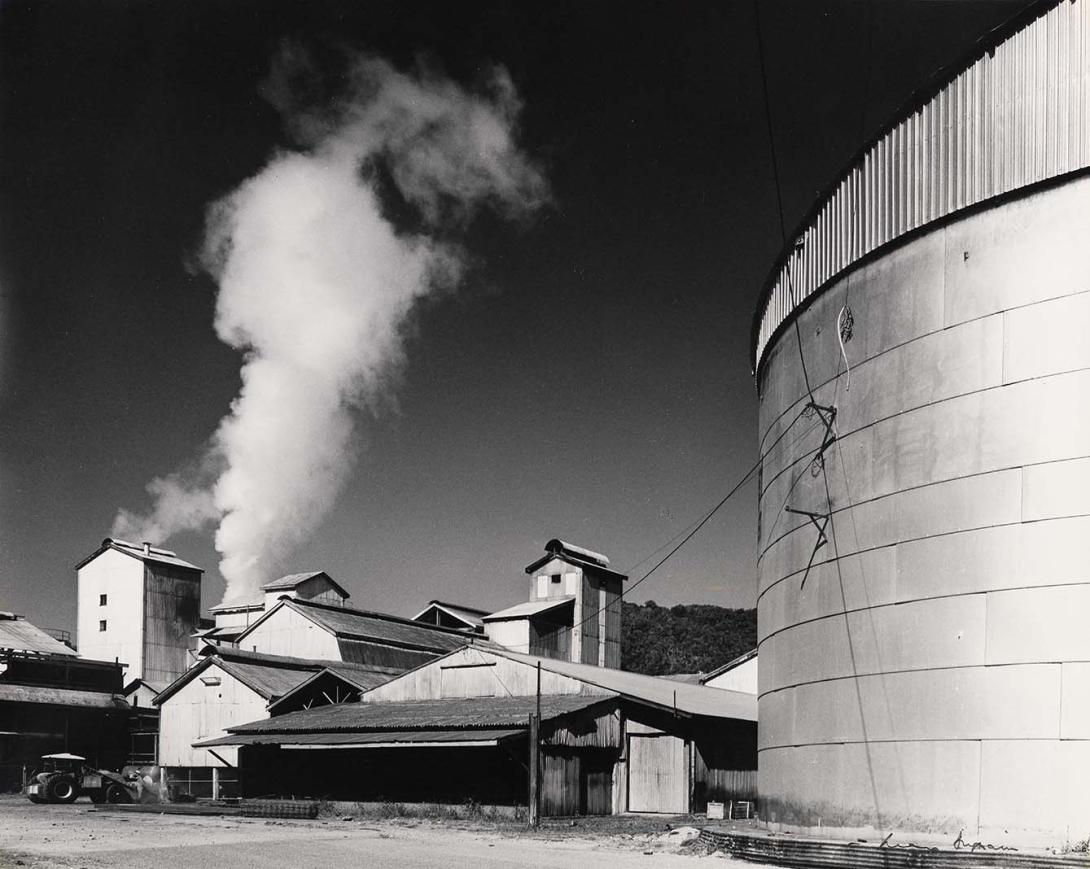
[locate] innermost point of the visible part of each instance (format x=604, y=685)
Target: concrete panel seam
x=896, y=603
x=801, y=570
x=844, y=435
x=949, y=739
x=878, y=673
x=802, y=399
x=855, y=504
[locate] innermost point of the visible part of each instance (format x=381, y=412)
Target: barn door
x=658, y=773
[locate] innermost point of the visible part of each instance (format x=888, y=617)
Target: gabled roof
x=528, y=609
x=347, y=623
x=356, y=676
x=19, y=635
x=138, y=551
x=271, y=676
x=470, y=615
x=576, y=556
x=730, y=665
x=294, y=580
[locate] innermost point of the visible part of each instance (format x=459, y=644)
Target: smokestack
x=147, y=548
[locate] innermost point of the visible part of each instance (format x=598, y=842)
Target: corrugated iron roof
x=136, y=550
x=60, y=697
x=19, y=635
x=531, y=608
x=730, y=665
x=238, y=605
x=360, y=624
x=385, y=738
x=657, y=690
x=577, y=556
x=442, y=714
x=267, y=680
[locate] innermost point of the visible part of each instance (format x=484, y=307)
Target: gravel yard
x=79, y=835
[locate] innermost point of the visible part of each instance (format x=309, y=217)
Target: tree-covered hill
x=688, y=638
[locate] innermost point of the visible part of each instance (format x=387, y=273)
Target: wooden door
x=658, y=773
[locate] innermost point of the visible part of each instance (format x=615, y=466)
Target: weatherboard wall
x=286, y=632
x=172, y=608
x=929, y=673
x=200, y=710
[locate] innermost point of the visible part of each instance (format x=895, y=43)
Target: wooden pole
x=535, y=771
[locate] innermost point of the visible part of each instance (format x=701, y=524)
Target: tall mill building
x=139, y=605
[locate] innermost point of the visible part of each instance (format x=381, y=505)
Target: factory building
x=923, y=370
x=456, y=729
x=139, y=605
x=51, y=700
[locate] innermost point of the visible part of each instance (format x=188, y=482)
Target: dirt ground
x=80, y=835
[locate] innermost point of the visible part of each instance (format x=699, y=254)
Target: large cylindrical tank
x=929, y=674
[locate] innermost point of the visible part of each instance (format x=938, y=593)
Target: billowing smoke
x=316, y=284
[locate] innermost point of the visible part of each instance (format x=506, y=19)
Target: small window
x=555, y=578
x=102, y=600
x=102, y=625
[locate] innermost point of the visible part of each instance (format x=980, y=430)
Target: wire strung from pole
x=687, y=535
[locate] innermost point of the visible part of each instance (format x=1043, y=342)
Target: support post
x=535, y=771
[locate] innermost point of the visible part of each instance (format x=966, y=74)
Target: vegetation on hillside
x=689, y=638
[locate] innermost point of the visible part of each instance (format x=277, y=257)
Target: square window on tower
x=102, y=625
x=102, y=600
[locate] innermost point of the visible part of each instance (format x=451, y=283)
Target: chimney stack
x=147, y=548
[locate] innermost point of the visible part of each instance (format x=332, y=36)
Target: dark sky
x=590, y=380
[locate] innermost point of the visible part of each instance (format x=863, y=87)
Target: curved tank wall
x=931, y=672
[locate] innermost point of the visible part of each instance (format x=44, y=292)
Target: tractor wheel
x=62, y=790
x=34, y=798
x=115, y=793
x=97, y=796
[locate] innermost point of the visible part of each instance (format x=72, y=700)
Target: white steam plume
x=315, y=285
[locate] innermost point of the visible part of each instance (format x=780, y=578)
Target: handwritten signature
x=959, y=845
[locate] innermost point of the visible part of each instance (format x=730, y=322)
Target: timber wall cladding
x=172, y=601
x=658, y=773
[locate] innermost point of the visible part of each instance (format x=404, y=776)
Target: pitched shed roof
x=530, y=608
x=348, y=623
x=60, y=697
x=136, y=550
x=470, y=615
x=577, y=556
x=294, y=580
x=19, y=635
x=655, y=690
x=730, y=665
x=448, y=713
x=359, y=677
